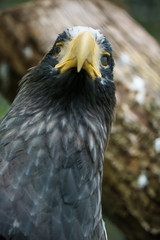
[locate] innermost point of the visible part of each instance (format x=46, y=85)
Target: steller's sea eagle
x=52, y=142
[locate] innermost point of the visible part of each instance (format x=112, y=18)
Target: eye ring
x=57, y=49
x=105, y=60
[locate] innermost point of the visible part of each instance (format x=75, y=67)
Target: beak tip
x=79, y=67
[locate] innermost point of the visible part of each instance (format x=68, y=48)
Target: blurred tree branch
x=131, y=193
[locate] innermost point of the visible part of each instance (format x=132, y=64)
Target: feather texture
x=52, y=142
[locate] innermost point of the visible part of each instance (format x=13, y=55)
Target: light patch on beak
x=81, y=53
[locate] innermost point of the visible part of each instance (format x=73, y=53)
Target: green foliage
x=11, y=3
x=3, y=106
x=146, y=12
x=113, y=232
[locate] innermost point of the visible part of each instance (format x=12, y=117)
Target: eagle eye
x=105, y=59
x=57, y=48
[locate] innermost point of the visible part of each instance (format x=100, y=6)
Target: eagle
x=52, y=142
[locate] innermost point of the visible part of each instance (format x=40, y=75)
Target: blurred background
x=146, y=13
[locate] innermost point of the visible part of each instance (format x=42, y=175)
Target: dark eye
x=57, y=50
x=105, y=59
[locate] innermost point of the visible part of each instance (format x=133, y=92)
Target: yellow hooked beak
x=83, y=54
